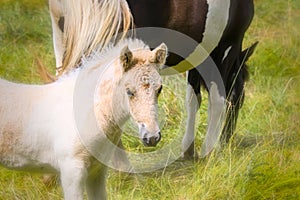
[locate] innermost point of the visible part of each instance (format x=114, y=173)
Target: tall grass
x=263, y=160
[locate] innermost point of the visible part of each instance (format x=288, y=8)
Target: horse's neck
x=120, y=104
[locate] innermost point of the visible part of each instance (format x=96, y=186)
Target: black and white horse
x=218, y=26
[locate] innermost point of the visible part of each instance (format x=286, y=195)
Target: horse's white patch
x=192, y=106
x=216, y=114
x=217, y=19
x=226, y=53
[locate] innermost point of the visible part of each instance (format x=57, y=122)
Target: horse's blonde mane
x=91, y=24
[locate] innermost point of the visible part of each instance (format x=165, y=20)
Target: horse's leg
x=73, y=176
x=57, y=20
x=96, y=184
x=193, y=101
x=216, y=110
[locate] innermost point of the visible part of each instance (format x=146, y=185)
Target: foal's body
x=39, y=130
x=39, y=135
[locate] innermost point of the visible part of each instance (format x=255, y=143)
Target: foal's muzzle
x=151, y=139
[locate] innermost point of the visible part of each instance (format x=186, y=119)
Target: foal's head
x=142, y=85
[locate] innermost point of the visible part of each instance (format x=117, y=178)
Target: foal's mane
x=91, y=24
x=111, y=52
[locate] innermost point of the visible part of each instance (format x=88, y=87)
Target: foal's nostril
x=145, y=140
x=151, y=141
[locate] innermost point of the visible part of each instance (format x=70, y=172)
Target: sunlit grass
x=263, y=160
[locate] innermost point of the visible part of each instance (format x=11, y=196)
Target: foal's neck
x=111, y=104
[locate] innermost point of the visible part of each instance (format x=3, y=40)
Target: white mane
x=86, y=25
x=103, y=57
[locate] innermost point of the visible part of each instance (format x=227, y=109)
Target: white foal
x=39, y=128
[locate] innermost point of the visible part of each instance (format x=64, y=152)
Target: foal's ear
x=126, y=58
x=160, y=54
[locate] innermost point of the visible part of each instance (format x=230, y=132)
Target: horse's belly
x=21, y=151
x=15, y=154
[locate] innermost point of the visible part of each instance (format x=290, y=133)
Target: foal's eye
x=129, y=93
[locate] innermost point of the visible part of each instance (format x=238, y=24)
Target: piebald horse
x=42, y=130
x=218, y=26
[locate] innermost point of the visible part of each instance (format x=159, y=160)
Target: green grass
x=262, y=162
x=25, y=36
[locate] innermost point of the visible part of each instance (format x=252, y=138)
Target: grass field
x=262, y=162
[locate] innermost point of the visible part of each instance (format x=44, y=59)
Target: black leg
x=193, y=101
